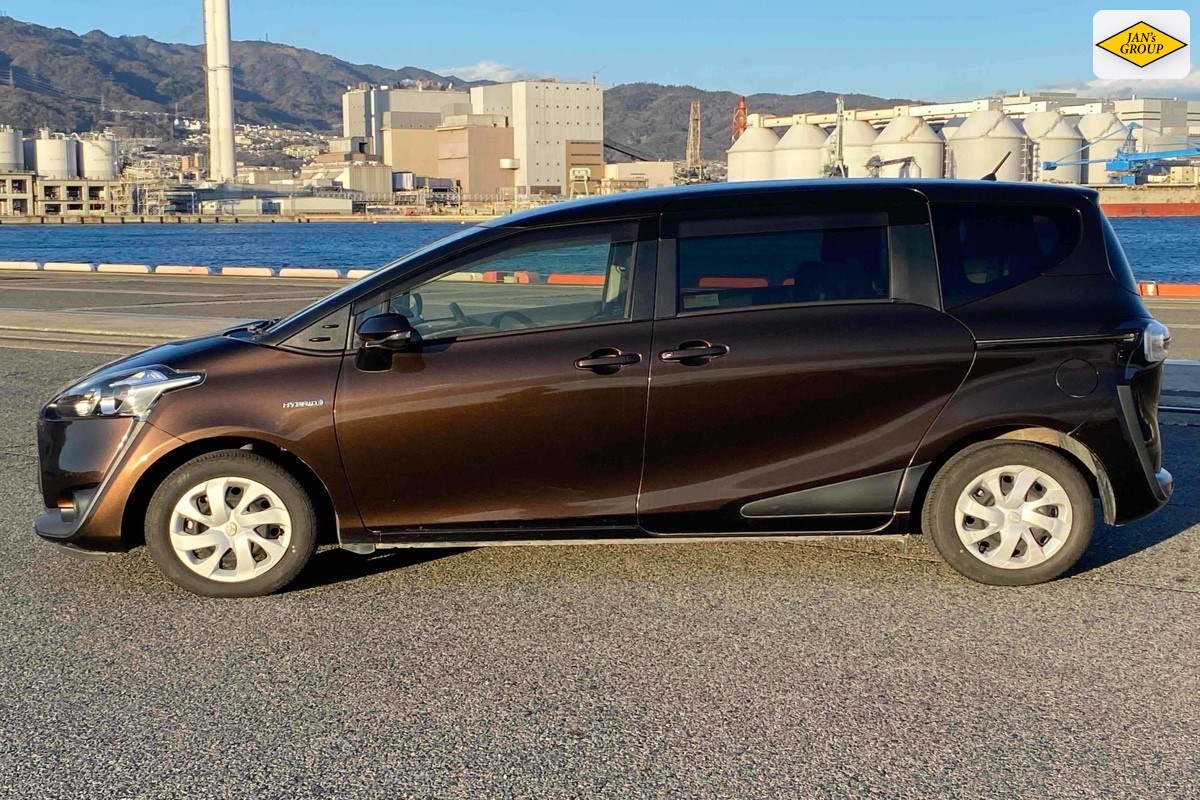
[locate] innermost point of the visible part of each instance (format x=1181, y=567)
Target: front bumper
x=88, y=471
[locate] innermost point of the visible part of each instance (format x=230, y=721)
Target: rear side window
x=781, y=267
x=985, y=248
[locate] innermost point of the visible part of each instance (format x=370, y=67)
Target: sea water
x=1161, y=249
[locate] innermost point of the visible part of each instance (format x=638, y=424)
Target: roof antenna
x=991, y=176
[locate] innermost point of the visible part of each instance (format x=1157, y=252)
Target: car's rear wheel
x=231, y=524
x=1009, y=513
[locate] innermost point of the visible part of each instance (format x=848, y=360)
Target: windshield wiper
x=260, y=327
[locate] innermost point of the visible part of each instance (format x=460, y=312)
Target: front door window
x=565, y=278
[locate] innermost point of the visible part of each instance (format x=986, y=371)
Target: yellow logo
x=1141, y=44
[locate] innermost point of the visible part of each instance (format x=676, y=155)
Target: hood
x=182, y=355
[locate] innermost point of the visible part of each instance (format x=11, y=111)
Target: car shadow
x=334, y=566
x=1111, y=544
x=1181, y=455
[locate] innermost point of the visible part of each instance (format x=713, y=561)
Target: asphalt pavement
x=685, y=671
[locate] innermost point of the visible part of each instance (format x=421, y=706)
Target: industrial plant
x=1054, y=137
x=55, y=175
x=520, y=138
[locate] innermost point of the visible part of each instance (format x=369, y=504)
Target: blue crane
x=1127, y=161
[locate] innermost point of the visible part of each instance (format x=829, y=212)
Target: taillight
x=1156, y=341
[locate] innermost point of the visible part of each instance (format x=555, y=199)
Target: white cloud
x=1185, y=88
x=488, y=71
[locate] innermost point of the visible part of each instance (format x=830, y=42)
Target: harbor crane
x=875, y=165
x=836, y=168
x=692, y=169
x=739, y=121
x=1130, y=164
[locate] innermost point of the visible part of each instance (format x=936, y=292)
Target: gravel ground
x=689, y=671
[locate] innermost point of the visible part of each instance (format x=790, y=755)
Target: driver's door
x=523, y=402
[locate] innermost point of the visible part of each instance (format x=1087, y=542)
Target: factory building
x=475, y=151
x=410, y=141
x=637, y=175
x=553, y=123
x=645, y=174
x=524, y=137
x=16, y=183
x=968, y=139
x=364, y=109
x=582, y=154
x=371, y=181
x=58, y=175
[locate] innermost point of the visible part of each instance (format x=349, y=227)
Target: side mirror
x=388, y=332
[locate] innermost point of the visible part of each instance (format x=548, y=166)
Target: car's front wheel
x=231, y=524
x=1009, y=513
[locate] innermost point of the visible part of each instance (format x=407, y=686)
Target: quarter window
x=788, y=266
x=985, y=249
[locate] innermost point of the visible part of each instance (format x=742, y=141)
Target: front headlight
x=129, y=393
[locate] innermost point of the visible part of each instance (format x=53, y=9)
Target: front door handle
x=693, y=354
x=607, y=360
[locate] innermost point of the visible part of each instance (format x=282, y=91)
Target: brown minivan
x=785, y=359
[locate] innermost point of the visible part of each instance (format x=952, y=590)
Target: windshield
x=351, y=289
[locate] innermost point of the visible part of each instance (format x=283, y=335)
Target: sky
x=890, y=48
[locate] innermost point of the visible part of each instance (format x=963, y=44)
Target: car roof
x=647, y=202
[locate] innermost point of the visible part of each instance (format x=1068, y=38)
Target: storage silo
x=911, y=136
x=12, y=150
x=57, y=158
x=857, y=150
x=1039, y=123
x=751, y=157
x=98, y=158
x=1104, y=134
x=981, y=142
x=800, y=153
x=1053, y=139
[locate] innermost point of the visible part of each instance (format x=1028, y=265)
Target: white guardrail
x=308, y=273
x=325, y=273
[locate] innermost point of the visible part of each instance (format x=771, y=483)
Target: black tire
x=953, y=480
x=235, y=464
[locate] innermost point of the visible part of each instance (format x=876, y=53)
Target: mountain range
x=59, y=79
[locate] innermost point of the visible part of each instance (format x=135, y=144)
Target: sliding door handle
x=695, y=353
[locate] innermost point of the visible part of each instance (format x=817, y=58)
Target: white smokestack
x=222, y=159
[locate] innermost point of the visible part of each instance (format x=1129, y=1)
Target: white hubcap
x=230, y=529
x=1013, y=517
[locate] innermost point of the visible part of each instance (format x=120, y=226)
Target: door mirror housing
x=388, y=332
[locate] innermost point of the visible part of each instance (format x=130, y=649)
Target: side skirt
x=899, y=538
x=895, y=531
